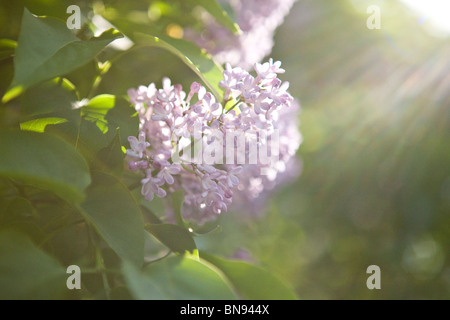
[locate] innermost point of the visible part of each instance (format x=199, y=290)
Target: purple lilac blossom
x=258, y=20
x=169, y=116
x=254, y=189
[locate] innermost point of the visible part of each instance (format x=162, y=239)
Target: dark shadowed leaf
x=44, y=161
x=122, y=117
x=27, y=272
x=177, y=239
x=114, y=212
x=49, y=99
x=112, y=156
x=149, y=216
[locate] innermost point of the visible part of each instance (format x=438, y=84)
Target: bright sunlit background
x=375, y=187
x=436, y=11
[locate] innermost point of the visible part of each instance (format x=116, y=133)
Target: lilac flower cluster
x=258, y=20
x=171, y=121
x=254, y=188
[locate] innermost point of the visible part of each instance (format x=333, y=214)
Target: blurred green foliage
x=376, y=158
x=375, y=186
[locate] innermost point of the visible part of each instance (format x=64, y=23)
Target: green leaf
x=44, y=161
x=197, y=59
x=109, y=111
x=93, y=134
x=91, y=140
x=140, y=286
x=122, y=117
x=26, y=272
x=56, y=50
x=177, y=203
x=97, y=108
x=52, y=99
x=31, y=229
x=178, y=278
x=114, y=212
x=121, y=293
x=215, y=9
x=107, y=122
x=112, y=156
x=7, y=48
x=84, y=78
x=39, y=125
x=177, y=239
x=6, y=76
x=252, y=282
x=150, y=216
x=20, y=207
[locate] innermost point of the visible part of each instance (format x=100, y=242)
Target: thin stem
x=98, y=79
x=179, y=219
x=177, y=212
x=100, y=264
x=234, y=106
x=187, y=169
x=79, y=131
